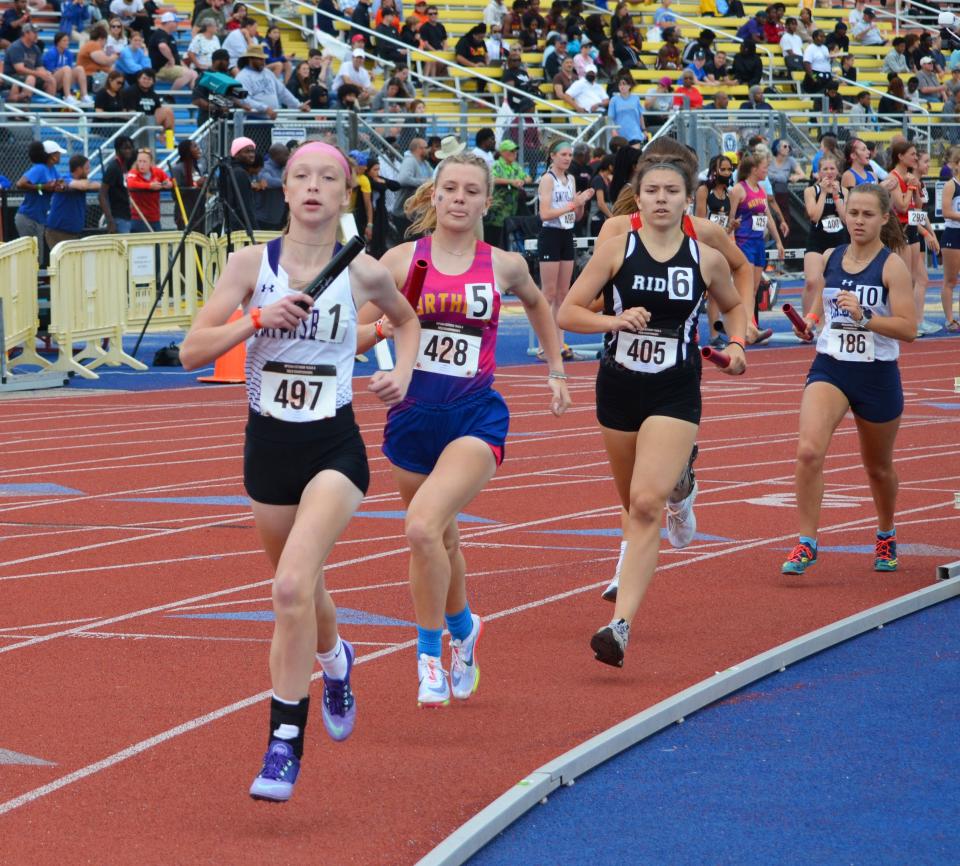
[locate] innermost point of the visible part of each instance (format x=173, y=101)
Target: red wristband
x=814, y=316
x=378, y=327
x=255, y=318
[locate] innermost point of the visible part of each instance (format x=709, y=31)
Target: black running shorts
x=626, y=399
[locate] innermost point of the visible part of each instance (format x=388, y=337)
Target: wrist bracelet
x=255, y=318
x=815, y=317
x=555, y=375
x=378, y=327
x=736, y=343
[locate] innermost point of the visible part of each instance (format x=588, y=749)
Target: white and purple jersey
x=458, y=315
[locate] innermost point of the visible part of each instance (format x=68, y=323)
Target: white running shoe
x=464, y=670
x=681, y=521
x=610, y=643
x=434, y=688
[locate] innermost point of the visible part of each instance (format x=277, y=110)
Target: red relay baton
x=721, y=359
x=411, y=291
x=795, y=319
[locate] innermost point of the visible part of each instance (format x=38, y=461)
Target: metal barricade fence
x=88, y=304
x=18, y=281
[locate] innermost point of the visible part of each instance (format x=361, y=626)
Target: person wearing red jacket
x=145, y=181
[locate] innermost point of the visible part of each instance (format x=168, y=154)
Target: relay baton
x=336, y=266
x=721, y=359
x=765, y=334
x=411, y=291
x=413, y=288
x=795, y=319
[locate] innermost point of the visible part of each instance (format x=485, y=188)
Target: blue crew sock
x=891, y=534
x=810, y=542
x=460, y=624
x=428, y=641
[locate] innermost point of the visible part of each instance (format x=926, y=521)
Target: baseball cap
x=589, y=67
x=240, y=143
x=359, y=52
x=29, y=28
x=666, y=81
x=926, y=60
x=507, y=144
x=358, y=38
x=360, y=157
x=50, y=146
x=168, y=17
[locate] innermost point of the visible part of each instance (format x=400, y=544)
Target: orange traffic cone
x=229, y=367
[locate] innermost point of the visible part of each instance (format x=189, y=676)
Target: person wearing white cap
x=587, y=93
x=352, y=71
x=39, y=182
x=931, y=88
x=266, y=93
x=165, y=56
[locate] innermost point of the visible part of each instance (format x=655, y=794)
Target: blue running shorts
x=755, y=249
x=873, y=390
x=417, y=433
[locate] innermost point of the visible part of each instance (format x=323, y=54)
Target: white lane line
x=200, y=721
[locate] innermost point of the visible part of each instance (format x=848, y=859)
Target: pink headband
x=326, y=150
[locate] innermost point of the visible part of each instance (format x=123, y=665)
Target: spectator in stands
x=687, y=92
x=107, y=98
x=624, y=53
x=747, y=66
x=939, y=61
x=133, y=59
x=238, y=14
x=563, y=81
x=433, y=37
x=791, y=46
x=132, y=13
x=114, y=198
x=402, y=74
x=608, y=67
x=360, y=17
x=721, y=100
x=658, y=105
x=914, y=51
x=527, y=35
x=270, y=208
x=848, y=68
x=494, y=13
x=264, y=92
x=512, y=22
x=24, y=62
x=950, y=105
x=40, y=178
x=816, y=63
x=202, y=46
x=930, y=87
x=277, y=62
x=323, y=23
x=555, y=55
x=663, y=17
x=67, y=216
x=755, y=100
x=753, y=29
x=239, y=40
x=626, y=111
x=589, y=95
x=355, y=73
x=486, y=145
x=388, y=6
x=773, y=27
x=141, y=96
x=594, y=29
x=838, y=40
x=703, y=44
x=388, y=28
x=75, y=19
x=313, y=79
x=668, y=57
x=11, y=25
x=92, y=56
x=698, y=68
x=862, y=116
x=165, y=56
x=892, y=104
x=420, y=11
x=719, y=69
x=895, y=63
x=534, y=14
x=509, y=178
x=58, y=60
x=472, y=52
x=866, y=31
x=806, y=25
x=116, y=38
x=413, y=171
x=212, y=11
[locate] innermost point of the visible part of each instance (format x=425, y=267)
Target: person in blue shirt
x=60, y=62
x=67, y=216
x=626, y=111
x=39, y=183
x=75, y=19
x=133, y=59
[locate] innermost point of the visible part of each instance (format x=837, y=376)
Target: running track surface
x=135, y=620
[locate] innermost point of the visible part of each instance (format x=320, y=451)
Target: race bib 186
x=650, y=351
x=298, y=392
x=449, y=349
x=850, y=342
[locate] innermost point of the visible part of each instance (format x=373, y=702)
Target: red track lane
x=117, y=664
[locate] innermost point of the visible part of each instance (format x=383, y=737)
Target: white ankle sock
x=623, y=552
x=334, y=663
